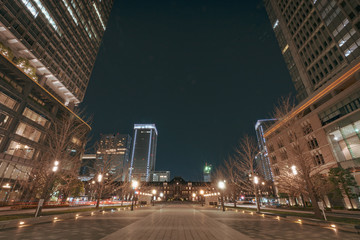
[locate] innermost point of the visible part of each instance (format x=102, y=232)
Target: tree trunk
x=313, y=197
x=257, y=199
x=99, y=196
x=348, y=196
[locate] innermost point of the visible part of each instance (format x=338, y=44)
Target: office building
x=143, y=157
x=27, y=114
x=117, y=148
x=320, y=43
x=87, y=169
x=47, y=52
x=161, y=176
x=262, y=159
x=55, y=41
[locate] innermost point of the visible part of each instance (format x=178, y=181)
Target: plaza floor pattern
x=173, y=222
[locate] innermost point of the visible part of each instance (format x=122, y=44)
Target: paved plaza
x=174, y=221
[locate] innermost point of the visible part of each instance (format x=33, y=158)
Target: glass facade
x=117, y=148
x=346, y=141
x=144, y=152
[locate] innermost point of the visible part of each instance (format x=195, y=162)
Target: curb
x=24, y=222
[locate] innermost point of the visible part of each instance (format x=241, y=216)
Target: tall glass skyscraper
x=262, y=159
x=144, y=152
x=58, y=39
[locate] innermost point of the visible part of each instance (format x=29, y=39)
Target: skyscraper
x=318, y=39
x=143, y=152
x=47, y=52
x=117, y=148
x=262, y=159
x=320, y=42
x=56, y=41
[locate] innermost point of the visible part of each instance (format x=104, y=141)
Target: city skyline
x=191, y=70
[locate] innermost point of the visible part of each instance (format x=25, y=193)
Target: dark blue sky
x=202, y=71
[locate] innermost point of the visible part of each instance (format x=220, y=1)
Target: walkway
x=171, y=222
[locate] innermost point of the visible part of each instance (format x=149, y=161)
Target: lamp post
x=221, y=186
x=134, y=185
x=202, y=197
x=256, y=182
x=153, y=197
x=100, y=189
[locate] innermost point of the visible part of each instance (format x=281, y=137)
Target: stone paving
x=180, y=221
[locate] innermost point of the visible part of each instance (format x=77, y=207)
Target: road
x=174, y=221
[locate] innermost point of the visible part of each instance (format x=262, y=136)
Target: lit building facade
x=87, y=169
x=47, y=52
x=160, y=176
x=117, y=148
x=180, y=190
x=320, y=43
x=27, y=112
x=58, y=40
x=262, y=159
x=143, y=157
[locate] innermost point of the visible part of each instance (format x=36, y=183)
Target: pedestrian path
x=177, y=222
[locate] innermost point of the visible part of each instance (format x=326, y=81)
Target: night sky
x=203, y=71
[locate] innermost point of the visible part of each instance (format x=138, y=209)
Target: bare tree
x=299, y=159
x=65, y=142
x=108, y=178
x=241, y=169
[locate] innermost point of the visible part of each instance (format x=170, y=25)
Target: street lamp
x=202, y=197
x=153, y=197
x=99, y=177
x=256, y=182
x=56, y=166
x=221, y=186
x=134, y=185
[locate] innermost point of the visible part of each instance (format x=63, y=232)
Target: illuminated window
x=30, y=7
x=7, y=101
x=47, y=15
x=20, y=150
x=4, y=120
x=28, y=132
x=34, y=116
x=276, y=24
x=70, y=11
x=97, y=12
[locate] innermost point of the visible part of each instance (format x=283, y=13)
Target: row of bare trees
x=299, y=177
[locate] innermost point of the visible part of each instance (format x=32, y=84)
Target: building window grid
x=318, y=158
x=312, y=142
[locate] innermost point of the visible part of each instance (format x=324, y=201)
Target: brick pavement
x=174, y=222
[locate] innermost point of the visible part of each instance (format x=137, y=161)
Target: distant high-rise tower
x=144, y=152
x=262, y=159
x=207, y=172
x=117, y=147
x=59, y=38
